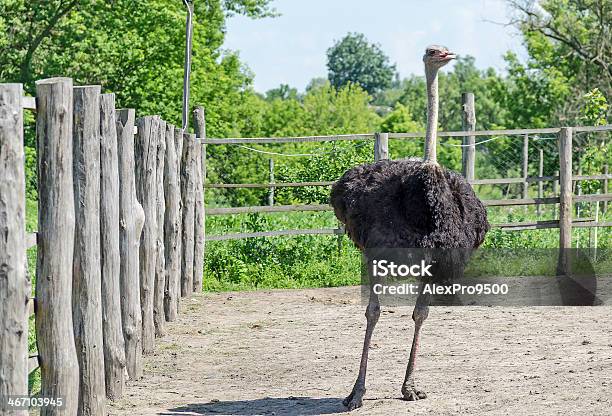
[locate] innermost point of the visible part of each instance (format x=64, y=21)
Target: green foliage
x=569, y=44
x=354, y=59
x=323, y=110
x=487, y=86
x=400, y=120
x=31, y=175
x=595, y=108
x=134, y=49
x=279, y=262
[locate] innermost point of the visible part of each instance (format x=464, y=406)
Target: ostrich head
x=435, y=58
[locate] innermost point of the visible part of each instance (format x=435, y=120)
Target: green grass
x=316, y=261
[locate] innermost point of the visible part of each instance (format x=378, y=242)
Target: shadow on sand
x=290, y=406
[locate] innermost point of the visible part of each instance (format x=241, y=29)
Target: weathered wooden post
x=55, y=245
x=555, y=192
x=159, y=316
x=178, y=141
x=114, y=346
x=146, y=186
x=525, y=166
x=188, y=220
x=578, y=190
x=469, y=124
x=593, y=235
x=200, y=220
x=605, y=189
x=565, y=200
x=172, y=195
x=540, y=181
x=87, y=270
x=131, y=221
x=271, y=189
x=14, y=282
x=381, y=146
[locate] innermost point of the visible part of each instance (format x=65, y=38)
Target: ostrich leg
x=355, y=399
x=421, y=310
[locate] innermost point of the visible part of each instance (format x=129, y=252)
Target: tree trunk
x=14, y=282
x=114, y=347
x=86, y=279
x=131, y=220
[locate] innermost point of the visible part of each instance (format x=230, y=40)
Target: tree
x=132, y=48
x=354, y=59
x=569, y=45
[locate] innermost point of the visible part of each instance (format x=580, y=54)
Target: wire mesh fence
x=507, y=165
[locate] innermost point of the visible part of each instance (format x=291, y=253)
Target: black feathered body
x=409, y=203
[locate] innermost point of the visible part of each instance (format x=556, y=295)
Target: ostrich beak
x=447, y=56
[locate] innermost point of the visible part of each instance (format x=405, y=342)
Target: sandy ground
x=297, y=353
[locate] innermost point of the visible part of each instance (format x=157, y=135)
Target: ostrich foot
x=355, y=399
x=411, y=393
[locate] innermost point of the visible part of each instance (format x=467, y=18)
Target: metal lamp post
x=187, y=72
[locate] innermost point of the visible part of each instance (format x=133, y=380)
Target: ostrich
x=409, y=203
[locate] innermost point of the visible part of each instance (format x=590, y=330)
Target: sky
x=291, y=48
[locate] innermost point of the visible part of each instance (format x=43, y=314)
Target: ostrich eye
x=431, y=53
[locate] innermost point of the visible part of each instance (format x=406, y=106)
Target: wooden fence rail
x=494, y=181
x=104, y=275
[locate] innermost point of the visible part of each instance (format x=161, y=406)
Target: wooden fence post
x=565, y=200
x=159, y=316
x=179, y=141
x=172, y=195
x=114, y=346
x=555, y=192
x=55, y=244
x=87, y=270
x=381, y=146
x=146, y=186
x=525, y=166
x=540, y=182
x=469, y=124
x=200, y=220
x=131, y=220
x=14, y=282
x=188, y=220
x=271, y=189
x=605, y=190
x=593, y=234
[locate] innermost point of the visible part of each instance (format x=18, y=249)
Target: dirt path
x=297, y=352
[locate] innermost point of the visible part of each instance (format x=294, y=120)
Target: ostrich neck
x=431, y=75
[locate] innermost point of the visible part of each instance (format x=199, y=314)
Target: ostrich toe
x=354, y=400
x=411, y=393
